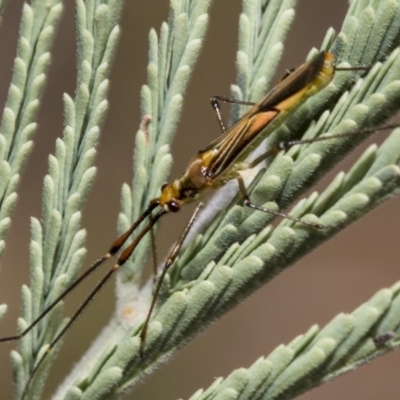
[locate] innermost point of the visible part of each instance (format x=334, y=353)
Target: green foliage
x=57, y=246
x=18, y=123
x=317, y=356
x=239, y=251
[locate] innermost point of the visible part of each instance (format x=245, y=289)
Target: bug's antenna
x=117, y=244
x=120, y=262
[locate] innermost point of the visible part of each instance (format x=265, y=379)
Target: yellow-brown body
x=221, y=160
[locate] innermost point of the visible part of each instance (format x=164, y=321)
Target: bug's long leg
x=120, y=262
x=287, y=145
x=217, y=108
x=116, y=245
x=284, y=146
x=170, y=260
x=247, y=202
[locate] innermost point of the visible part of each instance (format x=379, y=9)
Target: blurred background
x=336, y=278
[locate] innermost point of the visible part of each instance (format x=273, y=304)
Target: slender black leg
x=170, y=260
x=217, y=108
x=287, y=145
x=247, y=202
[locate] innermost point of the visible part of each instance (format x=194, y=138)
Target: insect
x=211, y=168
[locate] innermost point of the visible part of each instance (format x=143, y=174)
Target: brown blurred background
x=337, y=277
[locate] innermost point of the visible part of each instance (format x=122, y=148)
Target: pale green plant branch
x=221, y=286
x=317, y=356
x=240, y=251
x=18, y=123
x=57, y=246
x=121, y=365
x=112, y=334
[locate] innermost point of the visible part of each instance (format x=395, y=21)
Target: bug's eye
x=173, y=206
x=163, y=186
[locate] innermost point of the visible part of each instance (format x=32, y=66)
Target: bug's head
x=170, y=198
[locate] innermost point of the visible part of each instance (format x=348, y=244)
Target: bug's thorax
x=189, y=186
